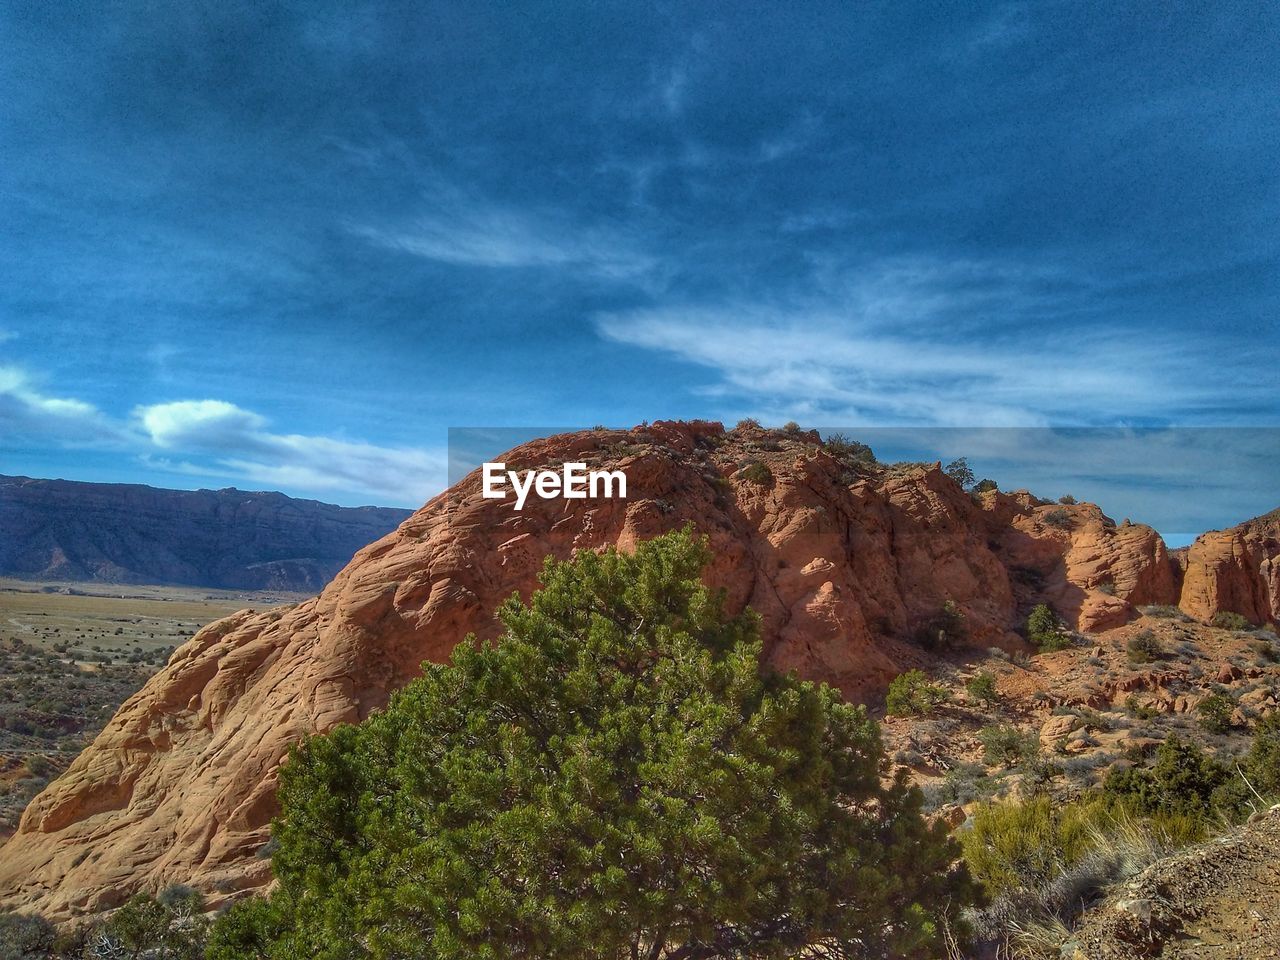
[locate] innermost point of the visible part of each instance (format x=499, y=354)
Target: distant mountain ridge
x=131, y=533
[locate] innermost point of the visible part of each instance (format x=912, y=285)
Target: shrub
x=747, y=423
x=791, y=427
x=912, y=695
x=1057, y=518
x=1183, y=781
x=616, y=773
x=1262, y=763
x=145, y=926
x=757, y=472
x=1043, y=861
x=1144, y=647
x=1014, y=846
x=1067, y=499
x=1005, y=745
x=38, y=766
x=1163, y=612
x=945, y=629
x=984, y=485
x=1044, y=629
x=1227, y=620
x=1214, y=713
x=25, y=937
x=849, y=451
x=1139, y=710
x=981, y=688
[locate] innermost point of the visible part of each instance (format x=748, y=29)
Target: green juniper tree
x=614, y=779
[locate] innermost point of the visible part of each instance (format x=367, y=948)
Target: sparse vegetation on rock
x=911, y=694
x=1144, y=647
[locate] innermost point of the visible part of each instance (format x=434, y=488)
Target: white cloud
x=214, y=438
x=241, y=445
x=202, y=423
x=924, y=343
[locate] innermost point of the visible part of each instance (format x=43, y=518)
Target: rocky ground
x=1216, y=901
x=1089, y=707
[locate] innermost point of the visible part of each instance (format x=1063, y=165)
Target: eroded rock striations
x=1237, y=570
x=844, y=565
x=129, y=533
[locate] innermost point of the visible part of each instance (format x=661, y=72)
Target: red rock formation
x=842, y=568
x=1236, y=570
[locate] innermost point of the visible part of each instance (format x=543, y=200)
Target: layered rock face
x=128, y=533
x=843, y=565
x=1237, y=570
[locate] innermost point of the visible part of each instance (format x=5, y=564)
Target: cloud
x=467, y=231
x=214, y=438
x=26, y=411
x=929, y=343
x=241, y=445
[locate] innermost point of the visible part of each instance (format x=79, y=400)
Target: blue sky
x=288, y=245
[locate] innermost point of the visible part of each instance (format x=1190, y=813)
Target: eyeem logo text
x=573, y=482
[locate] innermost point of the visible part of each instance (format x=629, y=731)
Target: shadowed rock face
x=127, y=533
x=843, y=568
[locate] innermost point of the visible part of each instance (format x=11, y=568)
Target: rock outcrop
x=1236, y=570
x=844, y=565
x=128, y=533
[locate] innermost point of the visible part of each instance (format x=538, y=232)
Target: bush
x=1044, y=629
x=944, y=630
x=1183, y=781
x=757, y=472
x=1067, y=499
x=1214, y=712
x=25, y=937
x=984, y=485
x=1013, y=846
x=1227, y=620
x=1262, y=763
x=1057, y=518
x=912, y=695
x=145, y=926
x=849, y=451
x=615, y=773
x=981, y=688
x=1043, y=861
x=38, y=766
x=1005, y=745
x=1144, y=647
x=1163, y=612
x=747, y=423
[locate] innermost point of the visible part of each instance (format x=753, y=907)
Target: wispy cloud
x=459, y=229
x=27, y=411
x=925, y=344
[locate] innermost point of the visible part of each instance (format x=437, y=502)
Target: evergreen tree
x=615, y=778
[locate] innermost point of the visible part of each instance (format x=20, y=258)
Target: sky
x=289, y=245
